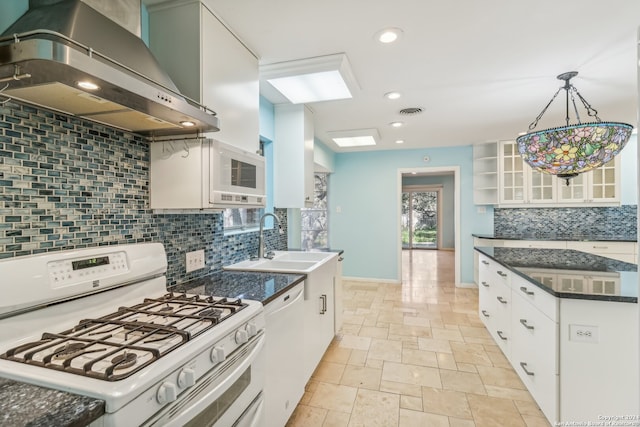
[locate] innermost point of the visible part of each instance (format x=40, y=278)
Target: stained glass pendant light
x=568, y=150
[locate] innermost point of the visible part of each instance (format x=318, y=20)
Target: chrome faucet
x=261, y=242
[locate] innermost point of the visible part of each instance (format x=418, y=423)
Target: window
x=240, y=219
x=315, y=220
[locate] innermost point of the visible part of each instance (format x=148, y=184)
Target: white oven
x=156, y=358
x=237, y=177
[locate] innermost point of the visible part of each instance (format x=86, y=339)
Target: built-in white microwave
x=237, y=177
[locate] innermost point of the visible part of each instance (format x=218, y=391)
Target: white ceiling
x=480, y=69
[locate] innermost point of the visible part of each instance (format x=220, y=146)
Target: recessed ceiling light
x=396, y=124
x=400, y=141
x=187, y=124
x=388, y=35
x=392, y=95
x=88, y=85
x=355, y=137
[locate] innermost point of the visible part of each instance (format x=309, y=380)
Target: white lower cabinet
x=319, y=320
x=577, y=357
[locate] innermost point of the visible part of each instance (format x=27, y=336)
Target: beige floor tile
x=410, y=330
x=445, y=402
x=528, y=408
x=531, y=421
x=336, y=419
x=447, y=334
x=411, y=374
x=500, y=377
x=411, y=402
x=462, y=381
x=431, y=344
x=374, y=363
x=357, y=357
x=355, y=342
x=401, y=388
x=385, y=350
x=493, y=412
x=470, y=353
x=457, y=422
x=508, y=393
x=446, y=361
x=328, y=372
x=374, y=332
x=466, y=367
x=409, y=418
x=334, y=397
x=337, y=354
x=375, y=409
x=419, y=357
x=417, y=321
x=361, y=377
x=307, y=416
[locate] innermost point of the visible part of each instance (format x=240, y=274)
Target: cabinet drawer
x=604, y=248
x=534, y=354
x=541, y=244
x=500, y=297
x=540, y=299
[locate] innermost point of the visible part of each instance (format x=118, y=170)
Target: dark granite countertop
x=263, y=287
x=29, y=405
x=546, y=267
x=575, y=237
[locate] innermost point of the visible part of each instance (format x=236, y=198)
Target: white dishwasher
x=284, y=332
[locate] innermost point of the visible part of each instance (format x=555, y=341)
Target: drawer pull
x=500, y=335
x=500, y=273
x=526, y=291
x=524, y=323
x=502, y=300
x=484, y=313
x=485, y=262
x=601, y=247
x=485, y=284
x=524, y=368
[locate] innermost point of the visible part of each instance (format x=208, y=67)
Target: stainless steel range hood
x=58, y=44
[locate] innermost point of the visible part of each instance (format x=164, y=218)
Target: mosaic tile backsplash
x=68, y=183
x=615, y=221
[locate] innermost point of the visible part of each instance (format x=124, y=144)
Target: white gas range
x=100, y=322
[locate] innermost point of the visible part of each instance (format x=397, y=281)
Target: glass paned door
x=420, y=220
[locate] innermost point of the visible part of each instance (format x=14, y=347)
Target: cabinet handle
x=485, y=284
x=323, y=299
x=500, y=273
x=340, y=258
x=524, y=323
x=502, y=300
x=500, y=335
x=485, y=262
x=600, y=247
x=524, y=368
x=526, y=291
x=484, y=313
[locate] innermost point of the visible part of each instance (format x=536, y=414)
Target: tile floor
x=414, y=355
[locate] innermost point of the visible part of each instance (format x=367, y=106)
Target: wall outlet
x=195, y=260
x=583, y=333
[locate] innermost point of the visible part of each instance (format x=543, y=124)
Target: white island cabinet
x=576, y=351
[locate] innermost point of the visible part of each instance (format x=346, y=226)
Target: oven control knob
x=251, y=329
x=217, y=354
x=241, y=337
x=186, y=378
x=166, y=393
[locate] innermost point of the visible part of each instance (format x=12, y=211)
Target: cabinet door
x=512, y=174
x=574, y=191
x=604, y=183
x=534, y=354
x=543, y=187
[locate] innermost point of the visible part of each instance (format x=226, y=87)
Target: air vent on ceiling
x=411, y=111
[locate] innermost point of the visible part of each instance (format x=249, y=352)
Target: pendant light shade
x=569, y=150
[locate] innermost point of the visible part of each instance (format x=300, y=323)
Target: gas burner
x=166, y=309
x=211, y=312
x=69, y=350
x=124, y=360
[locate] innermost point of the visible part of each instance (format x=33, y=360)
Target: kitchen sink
x=285, y=262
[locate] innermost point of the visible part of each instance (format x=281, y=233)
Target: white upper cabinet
x=209, y=64
x=485, y=173
x=520, y=185
x=293, y=179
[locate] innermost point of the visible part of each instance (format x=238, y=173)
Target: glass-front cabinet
x=520, y=185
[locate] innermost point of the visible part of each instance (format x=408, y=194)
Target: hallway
x=412, y=355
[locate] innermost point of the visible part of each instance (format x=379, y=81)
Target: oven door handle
x=199, y=402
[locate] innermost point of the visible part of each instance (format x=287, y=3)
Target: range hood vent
x=58, y=44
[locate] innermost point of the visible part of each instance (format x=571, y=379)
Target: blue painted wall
x=365, y=196
x=10, y=10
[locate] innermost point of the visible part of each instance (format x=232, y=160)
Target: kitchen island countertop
x=569, y=237
x=24, y=404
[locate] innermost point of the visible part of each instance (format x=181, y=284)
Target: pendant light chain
x=534, y=123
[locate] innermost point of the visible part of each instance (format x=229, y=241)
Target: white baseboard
x=371, y=279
